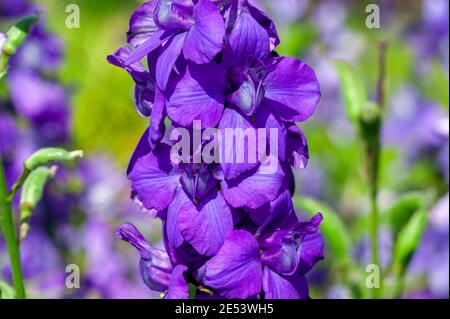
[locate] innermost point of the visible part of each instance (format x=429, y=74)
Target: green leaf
x=398, y=215
x=408, y=240
x=296, y=38
x=333, y=229
x=435, y=85
x=6, y=291
x=353, y=91
x=49, y=155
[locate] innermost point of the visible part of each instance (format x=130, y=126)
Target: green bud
x=370, y=122
x=17, y=34
x=46, y=156
x=33, y=189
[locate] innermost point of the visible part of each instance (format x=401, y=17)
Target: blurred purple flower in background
x=70, y=225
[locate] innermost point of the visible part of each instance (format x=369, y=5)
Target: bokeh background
x=61, y=91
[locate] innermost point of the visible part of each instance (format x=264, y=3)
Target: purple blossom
x=274, y=260
x=228, y=225
x=11, y=8
x=196, y=210
x=155, y=266
x=196, y=29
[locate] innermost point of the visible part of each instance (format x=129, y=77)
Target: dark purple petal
x=247, y=38
x=297, y=147
x=238, y=139
x=206, y=224
x=142, y=26
x=129, y=233
x=154, y=179
x=310, y=227
x=155, y=266
x=255, y=188
x=280, y=246
x=167, y=59
x=157, y=127
x=236, y=271
x=143, y=100
x=144, y=93
x=172, y=226
x=142, y=149
x=276, y=132
x=281, y=252
x=137, y=70
x=178, y=287
x=284, y=287
x=292, y=90
x=199, y=95
x=267, y=24
x=185, y=254
x=276, y=214
x=205, y=38
x=311, y=252
x=156, y=40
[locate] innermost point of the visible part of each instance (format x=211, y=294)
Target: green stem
x=373, y=154
x=373, y=151
x=9, y=232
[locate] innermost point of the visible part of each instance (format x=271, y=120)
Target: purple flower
x=197, y=210
x=144, y=92
x=286, y=86
x=229, y=223
x=41, y=52
x=196, y=29
x=155, y=265
x=11, y=8
x=273, y=260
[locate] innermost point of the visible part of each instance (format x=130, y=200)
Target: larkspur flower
x=197, y=29
x=273, y=260
x=155, y=265
x=221, y=74
x=197, y=210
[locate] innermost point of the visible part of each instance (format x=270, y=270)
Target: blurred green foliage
x=104, y=117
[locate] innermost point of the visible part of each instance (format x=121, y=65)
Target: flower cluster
x=229, y=227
